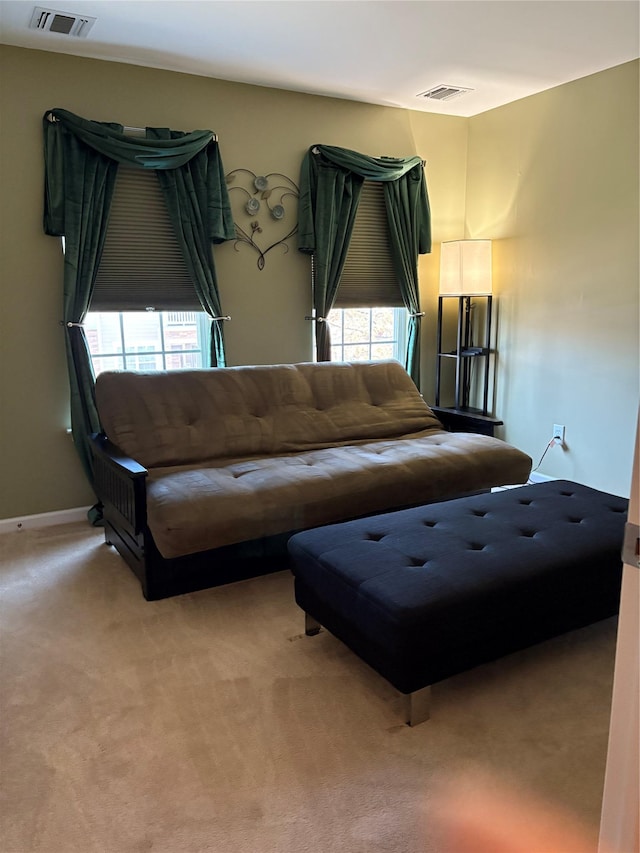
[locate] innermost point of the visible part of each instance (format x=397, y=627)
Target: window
x=368, y=277
x=367, y=322
x=147, y=340
x=144, y=313
x=368, y=334
x=142, y=264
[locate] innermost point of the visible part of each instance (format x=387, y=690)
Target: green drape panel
x=83, y=190
x=325, y=223
x=81, y=163
x=192, y=207
x=409, y=220
x=332, y=196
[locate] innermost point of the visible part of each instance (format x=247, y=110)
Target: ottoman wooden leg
x=311, y=626
x=418, y=706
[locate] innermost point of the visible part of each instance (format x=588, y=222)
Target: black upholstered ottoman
x=422, y=594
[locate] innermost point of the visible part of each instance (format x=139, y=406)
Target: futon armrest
x=120, y=484
x=104, y=448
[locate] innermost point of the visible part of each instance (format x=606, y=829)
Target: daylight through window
x=368, y=334
x=147, y=340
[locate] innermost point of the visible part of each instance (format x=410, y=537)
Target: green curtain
x=326, y=212
x=336, y=193
x=77, y=202
x=409, y=220
x=81, y=163
x=147, y=153
x=193, y=209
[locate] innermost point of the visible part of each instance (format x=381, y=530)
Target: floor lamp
x=465, y=272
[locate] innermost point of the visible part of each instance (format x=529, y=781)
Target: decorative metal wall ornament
x=258, y=191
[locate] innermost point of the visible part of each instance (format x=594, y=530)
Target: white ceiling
x=367, y=50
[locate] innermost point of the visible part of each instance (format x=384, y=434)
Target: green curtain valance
x=110, y=140
x=162, y=150
x=320, y=158
x=371, y=168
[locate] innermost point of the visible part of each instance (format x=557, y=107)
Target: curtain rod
x=125, y=128
x=316, y=150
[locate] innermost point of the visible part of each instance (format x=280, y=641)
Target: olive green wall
x=552, y=178
x=264, y=130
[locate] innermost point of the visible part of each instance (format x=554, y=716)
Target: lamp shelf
x=470, y=352
x=464, y=352
x=466, y=420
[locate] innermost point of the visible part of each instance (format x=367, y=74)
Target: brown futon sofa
x=205, y=474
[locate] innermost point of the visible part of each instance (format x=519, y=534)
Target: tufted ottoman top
x=426, y=592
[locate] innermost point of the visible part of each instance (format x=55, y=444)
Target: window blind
x=368, y=278
x=142, y=265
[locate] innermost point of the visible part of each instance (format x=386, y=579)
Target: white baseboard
x=43, y=519
x=534, y=477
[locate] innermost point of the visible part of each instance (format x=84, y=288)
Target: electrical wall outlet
x=558, y=433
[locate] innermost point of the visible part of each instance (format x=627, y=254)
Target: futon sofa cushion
x=195, y=508
x=185, y=416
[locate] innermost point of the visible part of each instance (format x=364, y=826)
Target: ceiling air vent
x=443, y=93
x=65, y=23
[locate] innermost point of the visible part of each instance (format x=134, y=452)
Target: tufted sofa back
x=187, y=416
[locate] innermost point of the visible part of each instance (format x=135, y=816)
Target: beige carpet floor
x=207, y=722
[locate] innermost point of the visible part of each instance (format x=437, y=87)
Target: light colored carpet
x=207, y=722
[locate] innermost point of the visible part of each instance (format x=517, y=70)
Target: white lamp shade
x=465, y=268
